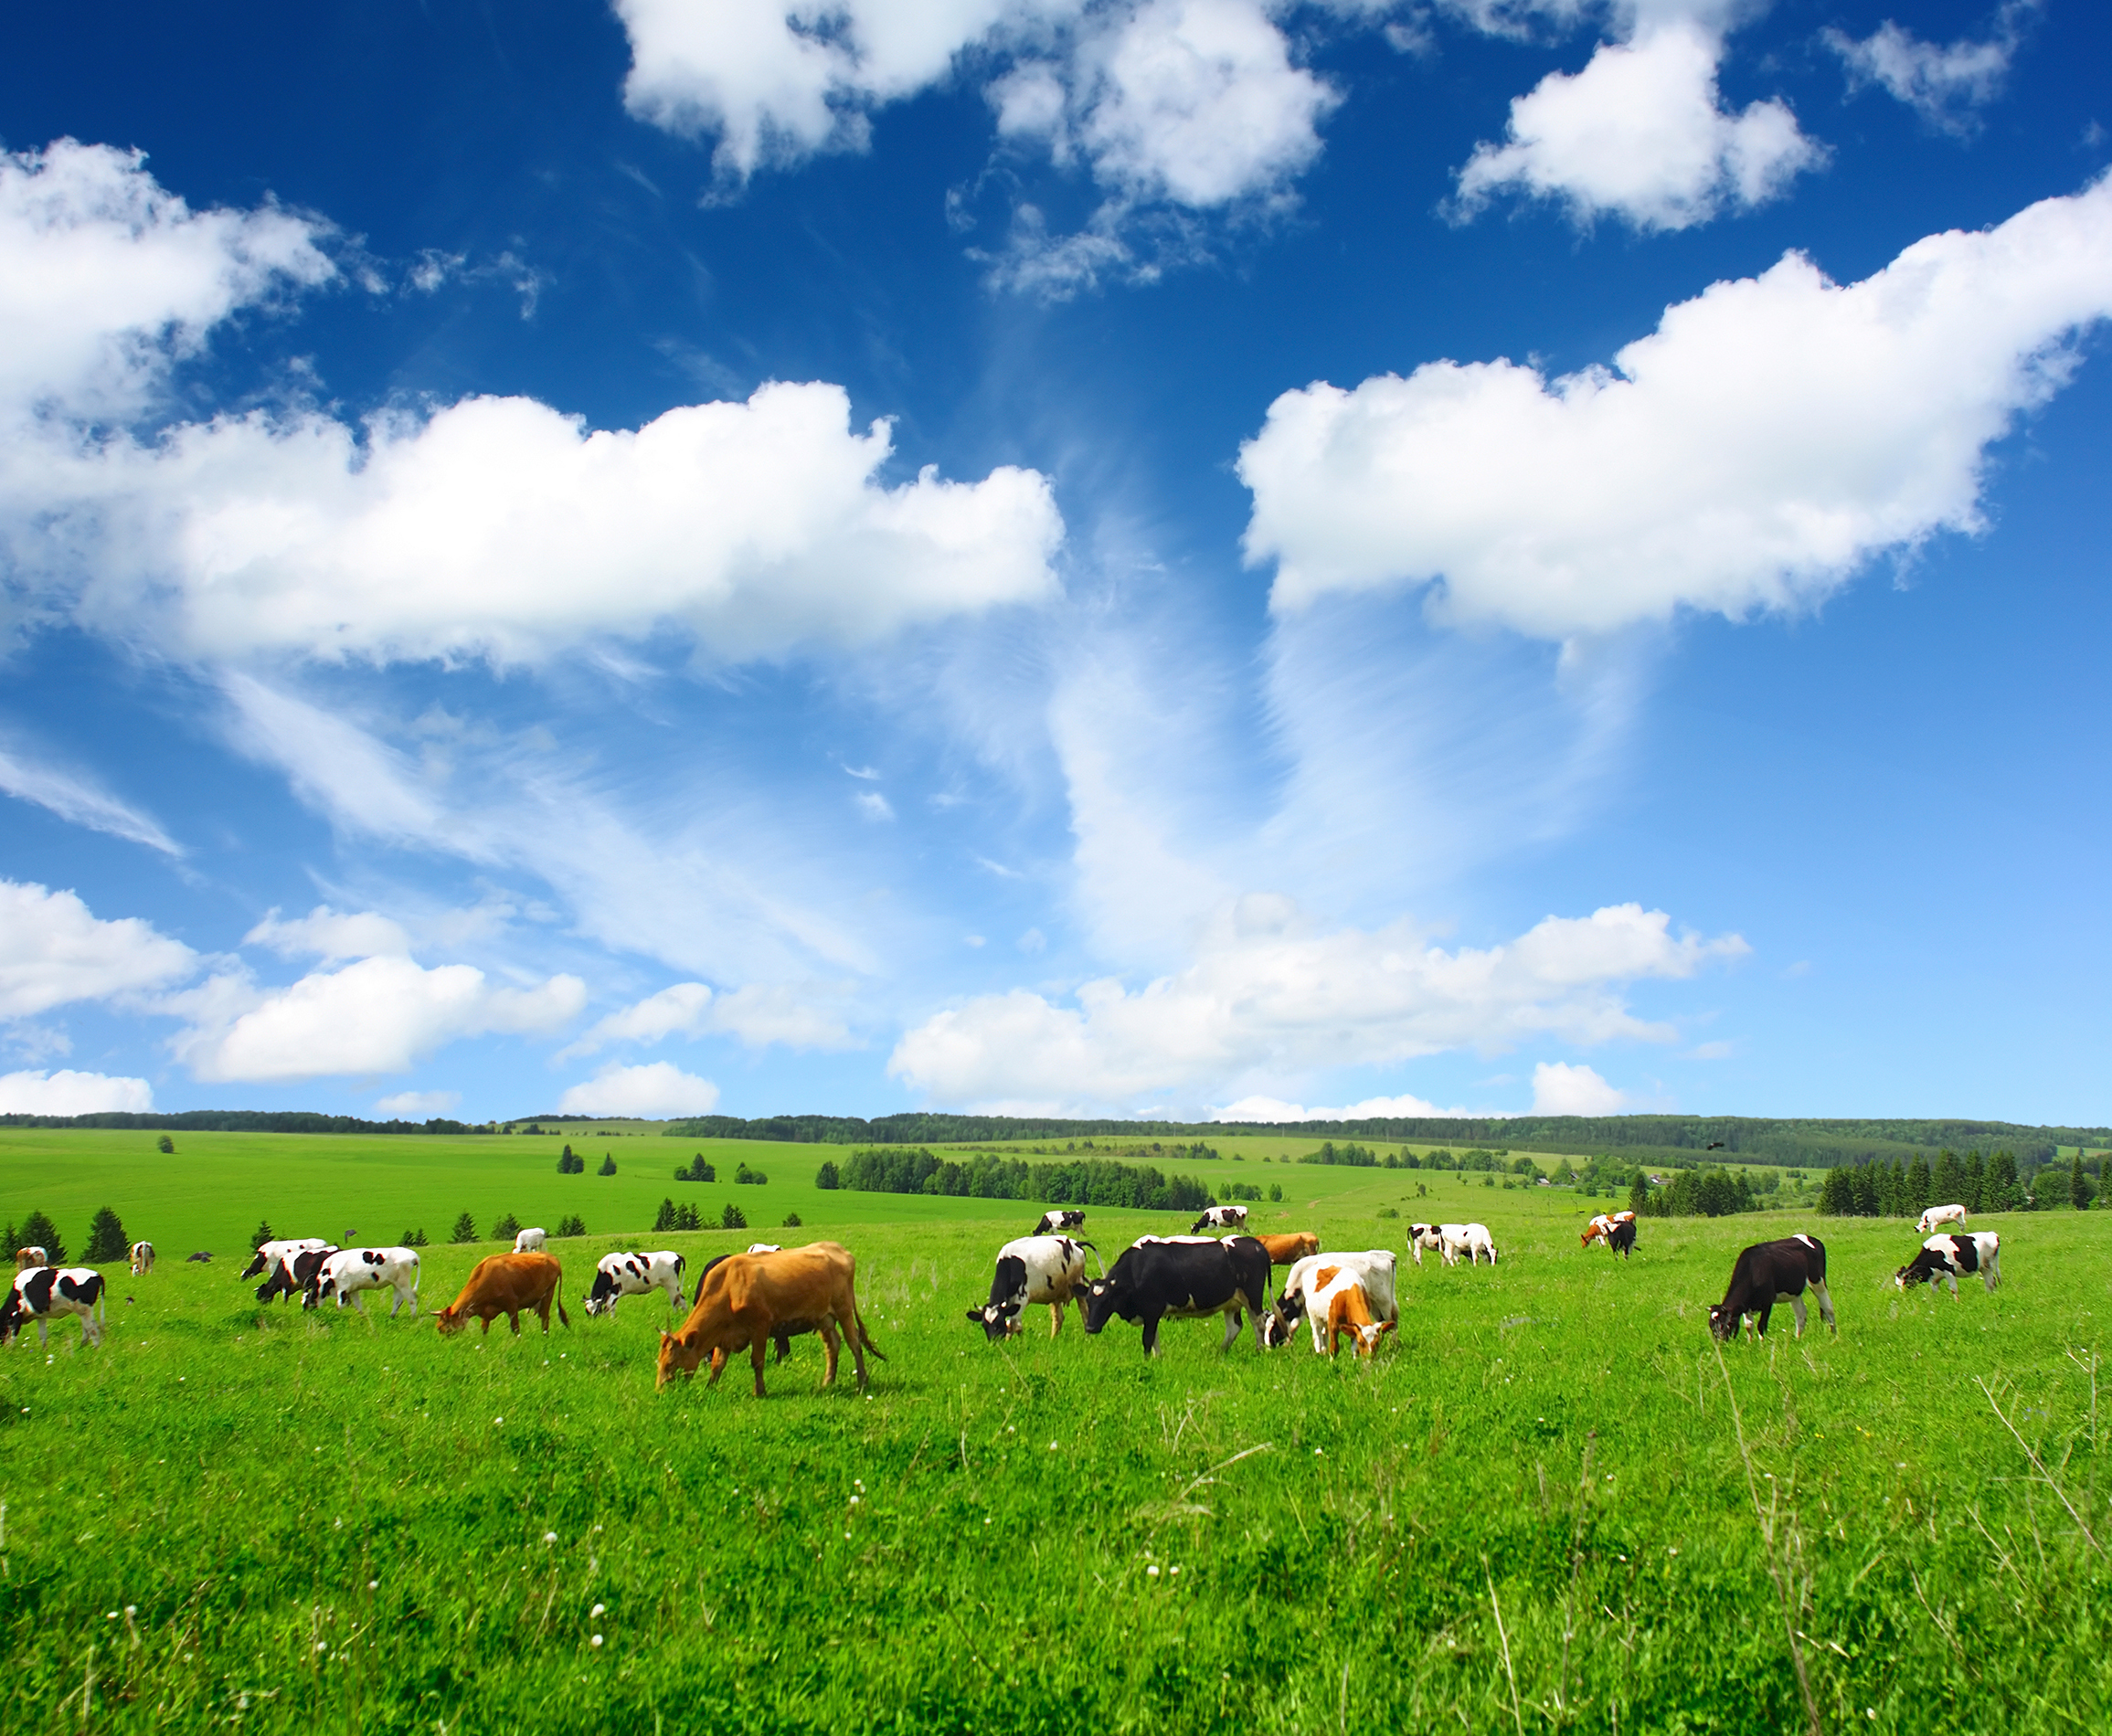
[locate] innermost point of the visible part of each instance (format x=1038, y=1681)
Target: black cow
x=44, y=1291
x=202, y=1258
x=1621, y=1237
x=294, y=1273
x=1052, y=1222
x=1165, y=1280
x=1771, y=1272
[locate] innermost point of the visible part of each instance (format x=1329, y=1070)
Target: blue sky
x=1188, y=557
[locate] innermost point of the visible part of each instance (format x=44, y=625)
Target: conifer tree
x=2079, y=1188
x=39, y=1232
x=1998, y=1190
x=465, y=1229
x=106, y=1238
x=1947, y=1181
x=1974, y=1186
x=1917, y=1185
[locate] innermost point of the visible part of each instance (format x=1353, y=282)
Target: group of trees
x=504, y=1230
x=569, y=1162
x=744, y=1177
x=695, y=1169
x=37, y=1231
x=985, y=1176
x=1896, y=1190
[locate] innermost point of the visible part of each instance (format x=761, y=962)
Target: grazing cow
x=1621, y=1238
x=1035, y=1268
x=530, y=1242
x=41, y=1291
x=1288, y=1250
x=1349, y=1311
x=1945, y=1256
x=1602, y=1226
x=1068, y=1217
x=511, y=1284
x=268, y=1254
x=202, y=1258
x=1182, y=1280
x=294, y=1273
x=1771, y=1272
x=347, y=1272
x=29, y=1258
x=1937, y=1216
x=761, y=1247
x=143, y=1257
x=1220, y=1217
x=1452, y=1242
x=1307, y=1294
x=748, y=1300
x=621, y=1275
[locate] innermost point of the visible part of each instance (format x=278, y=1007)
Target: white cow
x=766, y=1247
x=1938, y=1215
x=41, y=1292
x=143, y=1257
x=1452, y=1242
x=529, y=1242
x=351, y=1270
x=621, y=1274
x=1035, y=1268
x=1945, y=1256
x=268, y=1254
x=1308, y=1288
x=1220, y=1217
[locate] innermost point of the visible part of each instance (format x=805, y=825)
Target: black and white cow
x=1944, y=1257
x=1452, y=1242
x=293, y=1273
x=621, y=1274
x=347, y=1272
x=1177, y=1280
x=1771, y=1272
x=1035, y=1268
x=268, y=1254
x=1220, y=1217
x=1055, y=1222
x=42, y=1291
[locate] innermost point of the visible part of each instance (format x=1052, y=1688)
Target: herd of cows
x=770, y=1294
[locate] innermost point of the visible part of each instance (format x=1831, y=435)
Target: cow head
x=997, y=1319
x=1724, y=1322
x=680, y=1352
x=449, y=1321
x=1276, y=1326
x=1369, y=1335
x=1106, y=1297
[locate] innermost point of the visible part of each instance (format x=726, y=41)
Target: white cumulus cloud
x=1559, y=1088
x=1768, y=438
x=69, y=1093
x=1641, y=134
x=655, y=1091
x=1267, y=992
x=418, y=1106
x=1944, y=82
x=1274, y=1110
x=53, y=950
x=378, y=1015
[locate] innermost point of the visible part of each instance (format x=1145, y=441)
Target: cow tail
x=563, y=1319
x=864, y=1337
x=1097, y=1260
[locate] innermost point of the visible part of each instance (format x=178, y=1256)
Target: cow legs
x=514, y=1320
x=1232, y=1321
x=1797, y=1307
x=756, y=1345
x=1825, y=1304
x=1151, y=1334
x=830, y=1349
x=1056, y=1317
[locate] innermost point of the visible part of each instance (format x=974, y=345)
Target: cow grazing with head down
x=1035, y=1268
x=343, y=1274
x=1452, y=1242
x=511, y=1284
x=1602, y=1226
x=41, y=1292
x=745, y=1300
x=530, y=1242
x=1220, y=1217
x=1937, y=1216
x=1064, y=1218
x=1181, y=1279
x=28, y=1259
x=1309, y=1289
x=268, y=1254
x=1771, y=1272
x=1288, y=1250
x=1944, y=1257
x=293, y=1273
x=143, y=1257
x=621, y=1274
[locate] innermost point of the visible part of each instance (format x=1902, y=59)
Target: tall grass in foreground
x=1551, y=1505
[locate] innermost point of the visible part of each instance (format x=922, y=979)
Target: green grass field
x=1548, y=1505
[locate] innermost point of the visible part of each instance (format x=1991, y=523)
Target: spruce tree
x=1639, y=1193
x=465, y=1229
x=665, y=1218
x=1917, y=1185
x=106, y=1237
x=1998, y=1190
x=39, y=1232
x=1947, y=1181
x=1972, y=1193
x=1837, y=1196
x=732, y=1218
x=2079, y=1188
x=608, y=1165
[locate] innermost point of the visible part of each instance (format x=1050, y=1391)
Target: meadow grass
x=1549, y=1505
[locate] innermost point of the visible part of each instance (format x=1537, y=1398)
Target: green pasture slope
x=1548, y=1505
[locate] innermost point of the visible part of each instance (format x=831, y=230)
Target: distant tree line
x=240, y=1121
x=1085, y=1181
x=1896, y=1190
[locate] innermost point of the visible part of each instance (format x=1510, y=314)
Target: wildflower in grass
x=595, y=1642
x=1153, y=1569
x=594, y=1614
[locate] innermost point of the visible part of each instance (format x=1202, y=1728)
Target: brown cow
x=29, y=1259
x=1288, y=1250
x=507, y=1284
x=745, y=1299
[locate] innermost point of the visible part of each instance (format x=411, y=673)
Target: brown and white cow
x=143, y=1257
x=28, y=1259
x=1288, y=1250
x=746, y=1299
x=1307, y=1289
x=511, y=1284
x=1604, y=1224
